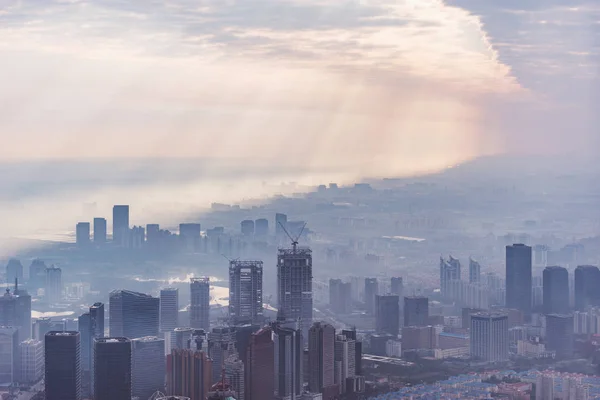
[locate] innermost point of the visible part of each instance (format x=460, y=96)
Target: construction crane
x=294, y=241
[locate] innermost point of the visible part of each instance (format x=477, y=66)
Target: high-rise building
x=53, y=288
x=340, y=296
x=489, y=337
x=260, y=361
x=450, y=271
x=350, y=334
x=289, y=352
x=112, y=369
x=14, y=270
x=82, y=234
x=245, y=292
x=9, y=355
x=120, y=224
x=189, y=236
x=416, y=311
x=345, y=360
x=188, y=338
x=474, y=271
x=169, y=309
x=32, y=361
x=234, y=375
x=556, y=290
x=97, y=320
x=294, y=285
x=133, y=315
x=86, y=342
x=397, y=286
x=37, y=275
x=247, y=227
x=387, y=315
x=200, y=303
x=189, y=373
x=148, y=366
x=62, y=361
x=321, y=357
x=519, y=278
x=261, y=228
x=100, y=230
x=15, y=311
x=587, y=281
x=41, y=326
x=221, y=345
x=371, y=290
x=559, y=335
x=243, y=334
x=280, y=225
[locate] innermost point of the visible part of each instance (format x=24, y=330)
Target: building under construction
x=294, y=285
x=245, y=292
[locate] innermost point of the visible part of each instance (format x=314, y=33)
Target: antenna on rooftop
x=294, y=240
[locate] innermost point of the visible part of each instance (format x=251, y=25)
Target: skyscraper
x=169, y=309
x=100, y=230
x=32, y=361
x=37, y=275
x=9, y=355
x=133, y=315
x=450, y=271
x=340, y=296
x=15, y=310
x=53, y=289
x=321, y=357
x=350, y=334
x=559, y=335
x=556, y=290
x=221, y=345
x=260, y=361
x=112, y=369
x=14, y=270
x=245, y=292
x=387, y=315
x=345, y=360
x=120, y=224
x=397, y=286
x=189, y=373
x=97, y=320
x=234, y=375
x=587, y=281
x=474, y=271
x=280, y=225
x=148, y=366
x=86, y=342
x=189, y=236
x=416, y=311
x=200, y=303
x=489, y=337
x=62, y=366
x=82, y=234
x=371, y=290
x=247, y=227
x=294, y=284
x=261, y=229
x=289, y=351
x=518, y=278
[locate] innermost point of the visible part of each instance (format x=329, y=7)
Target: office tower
x=474, y=271
x=350, y=334
x=221, y=345
x=82, y=234
x=280, y=225
x=245, y=292
x=559, y=335
x=243, y=334
x=247, y=227
x=321, y=357
x=41, y=326
x=450, y=271
x=37, y=275
x=387, y=315
x=261, y=228
x=289, y=352
x=234, y=375
x=371, y=290
x=416, y=311
x=9, y=355
x=62, y=366
x=587, y=281
x=397, y=286
x=112, y=369
x=294, y=284
x=97, y=320
x=86, y=342
x=188, y=338
x=345, y=360
x=556, y=290
x=518, y=278
x=133, y=315
x=53, y=290
x=260, y=361
x=169, y=309
x=189, y=236
x=14, y=270
x=32, y=361
x=340, y=296
x=148, y=366
x=100, y=230
x=489, y=337
x=200, y=303
x=15, y=311
x=189, y=373
x=120, y=224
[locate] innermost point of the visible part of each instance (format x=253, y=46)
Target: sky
x=346, y=89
